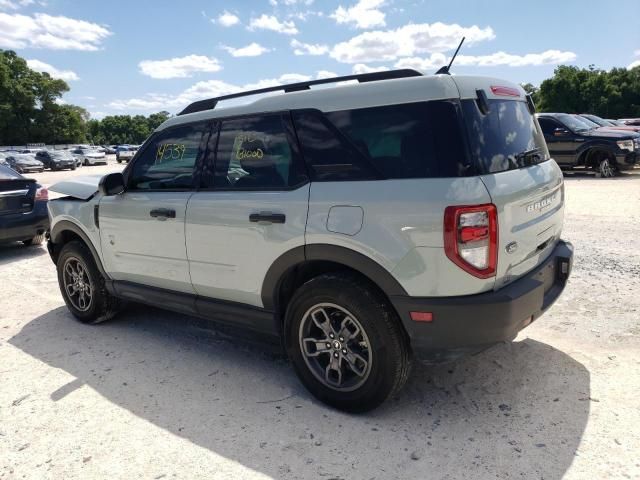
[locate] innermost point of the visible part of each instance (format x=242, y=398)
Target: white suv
x=394, y=215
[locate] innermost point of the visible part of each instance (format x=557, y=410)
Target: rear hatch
x=525, y=185
x=16, y=195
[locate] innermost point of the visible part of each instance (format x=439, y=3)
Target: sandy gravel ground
x=153, y=395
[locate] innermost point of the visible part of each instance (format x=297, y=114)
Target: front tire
x=35, y=240
x=606, y=168
x=346, y=343
x=82, y=286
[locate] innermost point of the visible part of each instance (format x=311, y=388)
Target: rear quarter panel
x=402, y=228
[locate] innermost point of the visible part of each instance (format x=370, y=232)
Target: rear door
x=142, y=229
x=252, y=209
x=524, y=184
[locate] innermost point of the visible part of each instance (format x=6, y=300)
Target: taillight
x=42, y=194
x=471, y=238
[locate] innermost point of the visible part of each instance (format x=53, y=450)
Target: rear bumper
x=472, y=323
x=23, y=226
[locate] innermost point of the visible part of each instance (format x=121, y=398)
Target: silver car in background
x=89, y=156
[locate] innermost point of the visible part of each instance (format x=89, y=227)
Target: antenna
x=445, y=70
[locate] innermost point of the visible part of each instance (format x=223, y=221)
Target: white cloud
x=300, y=48
x=206, y=89
x=15, y=5
x=228, y=19
x=271, y=22
x=252, y=50
x=39, y=66
x=437, y=60
x=634, y=64
x=325, y=74
x=407, y=41
x=364, y=14
x=47, y=31
x=359, y=68
x=179, y=67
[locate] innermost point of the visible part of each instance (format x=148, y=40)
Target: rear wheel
x=82, y=286
x=346, y=343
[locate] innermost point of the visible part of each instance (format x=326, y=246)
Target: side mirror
x=560, y=132
x=112, y=184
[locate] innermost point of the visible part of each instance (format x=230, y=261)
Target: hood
x=82, y=188
x=604, y=132
x=63, y=159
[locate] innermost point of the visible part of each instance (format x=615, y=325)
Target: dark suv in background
x=573, y=142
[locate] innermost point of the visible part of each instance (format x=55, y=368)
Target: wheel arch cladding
x=300, y=264
x=65, y=231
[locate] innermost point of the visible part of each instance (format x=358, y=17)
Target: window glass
x=254, y=153
x=505, y=138
x=414, y=140
x=547, y=125
x=329, y=156
x=168, y=161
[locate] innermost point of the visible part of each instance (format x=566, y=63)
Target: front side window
x=168, y=162
x=254, y=153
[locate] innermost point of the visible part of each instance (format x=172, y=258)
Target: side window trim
x=147, y=144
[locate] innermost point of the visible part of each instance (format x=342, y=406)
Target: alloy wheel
x=77, y=284
x=606, y=169
x=335, y=347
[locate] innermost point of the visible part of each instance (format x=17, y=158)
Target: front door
x=561, y=141
x=142, y=229
x=252, y=210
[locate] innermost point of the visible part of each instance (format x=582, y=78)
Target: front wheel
x=82, y=286
x=606, y=168
x=346, y=343
x=35, y=240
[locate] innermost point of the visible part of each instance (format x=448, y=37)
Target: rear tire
x=36, y=240
x=346, y=343
x=82, y=286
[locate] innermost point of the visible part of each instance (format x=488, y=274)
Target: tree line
x=608, y=94
x=31, y=110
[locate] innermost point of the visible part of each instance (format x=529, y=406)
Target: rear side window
x=414, y=140
x=328, y=154
x=505, y=138
x=254, y=153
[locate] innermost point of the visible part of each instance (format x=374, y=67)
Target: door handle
x=267, y=217
x=162, y=213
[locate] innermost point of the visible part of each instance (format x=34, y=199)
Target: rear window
x=414, y=140
x=505, y=138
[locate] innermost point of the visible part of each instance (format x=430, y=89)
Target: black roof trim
x=210, y=103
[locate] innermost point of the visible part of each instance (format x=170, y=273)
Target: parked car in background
x=24, y=163
x=601, y=122
x=109, y=150
x=89, y=156
x=615, y=122
x=23, y=208
x=3, y=156
x=57, y=159
x=574, y=143
x=125, y=153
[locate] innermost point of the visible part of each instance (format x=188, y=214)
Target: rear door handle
x=267, y=217
x=162, y=213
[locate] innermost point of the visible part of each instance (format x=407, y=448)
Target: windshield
x=506, y=138
x=597, y=120
x=590, y=123
x=574, y=123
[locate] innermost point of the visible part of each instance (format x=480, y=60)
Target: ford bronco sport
x=398, y=215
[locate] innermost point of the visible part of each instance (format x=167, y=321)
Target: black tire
x=36, y=240
x=102, y=306
x=386, y=347
x=73, y=167
x=119, y=160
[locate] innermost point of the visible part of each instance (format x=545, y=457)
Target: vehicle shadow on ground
x=517, y=410
x=13, y=252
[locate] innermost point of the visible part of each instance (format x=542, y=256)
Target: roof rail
x=210, y=103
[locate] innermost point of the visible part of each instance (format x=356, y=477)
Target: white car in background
x=89, y=156
x=124, y=153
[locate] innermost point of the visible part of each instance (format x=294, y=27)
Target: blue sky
x=142, y=56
